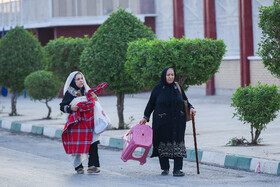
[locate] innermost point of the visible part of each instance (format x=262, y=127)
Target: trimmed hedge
x=256, y=106
x=20, y=54
x=270, y=41
x=64, y=55
x=103, y=60
x=43, y=86
x=195, y=61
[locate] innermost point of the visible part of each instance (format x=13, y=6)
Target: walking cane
x=195, y=146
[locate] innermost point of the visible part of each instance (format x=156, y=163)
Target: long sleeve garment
x=65, y=104
x=78, y=131
x=169, y=121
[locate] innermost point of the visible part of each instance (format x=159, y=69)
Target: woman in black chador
x=169, y=122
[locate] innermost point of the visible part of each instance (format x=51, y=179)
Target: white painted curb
x=26, y=127
x=213, y=158
x=6, y=124
x=208, y=157
x=266, y=166
x=49, y=131
x=104, y=140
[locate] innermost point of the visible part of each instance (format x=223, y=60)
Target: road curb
x=206, y=157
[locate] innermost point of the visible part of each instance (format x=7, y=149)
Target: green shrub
x=270, y=41
x=43, y=86
x=195, y=61
x=103, y=60
x=64, y=55
x=20, y=54
x=256, y=106
x=238, y=141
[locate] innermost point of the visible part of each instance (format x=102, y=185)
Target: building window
x=147, y=7
x=69, y=8
x=64, y=8
x=9, y=12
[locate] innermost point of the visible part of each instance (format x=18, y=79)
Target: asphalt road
x=30, y=160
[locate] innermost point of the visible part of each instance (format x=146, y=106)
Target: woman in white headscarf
x=78, y=136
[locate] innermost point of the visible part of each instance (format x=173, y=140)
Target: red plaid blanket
x=77, y=132
x=100, y=87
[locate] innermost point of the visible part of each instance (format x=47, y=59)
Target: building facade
x=234, y=21
x=51, y=19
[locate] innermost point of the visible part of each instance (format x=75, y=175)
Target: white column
x=21, y=13
x=51, y=9
x=2, y=15
x=16, y=12
x=10, y=14
x=76, y=7
x=84, y=8
x=116, y=3
x=101, y=7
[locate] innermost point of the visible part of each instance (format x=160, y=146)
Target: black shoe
x=178, y=173
x=93, y=169
x=80, y=171
x=165, y=172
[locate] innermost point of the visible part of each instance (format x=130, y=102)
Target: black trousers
x=164, y=163
x=93, y=159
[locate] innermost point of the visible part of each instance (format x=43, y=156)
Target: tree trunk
x=257, y=135
x=181, y=80
x=50, y=110
x=14, y=104
x=120, y=107
x=252, y=134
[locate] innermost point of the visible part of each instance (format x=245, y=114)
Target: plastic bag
x=101, y=120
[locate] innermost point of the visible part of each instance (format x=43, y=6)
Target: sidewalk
x=214, y=126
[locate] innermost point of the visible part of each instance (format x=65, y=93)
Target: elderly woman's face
x=79, y=80
x=170, y=76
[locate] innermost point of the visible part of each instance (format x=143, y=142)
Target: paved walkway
x=214, y=126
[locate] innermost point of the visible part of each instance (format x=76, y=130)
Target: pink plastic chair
x=138, y=136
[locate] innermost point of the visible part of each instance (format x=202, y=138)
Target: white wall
x=164, y=19
x=257, y=32
x=35, y=11
x=194, y=25
x=227, y=23
x=193, y=19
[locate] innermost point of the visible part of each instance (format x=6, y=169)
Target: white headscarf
x=69, y=80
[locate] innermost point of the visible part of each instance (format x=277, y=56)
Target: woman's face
x=79, y=80
x=170, y=76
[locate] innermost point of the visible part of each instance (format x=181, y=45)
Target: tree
x=21, y=53
x=195, y=61
x=103, y=60
x=256, y=106
x=42, y=85
x=64, y=55
x=270, y=41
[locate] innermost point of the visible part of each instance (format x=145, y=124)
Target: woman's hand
x=74, y=107
x=192, y=111
x=143, y=121
x=94, y=96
